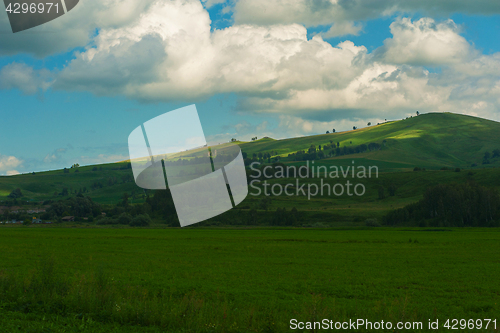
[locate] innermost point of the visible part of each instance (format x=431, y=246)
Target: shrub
x=141, y=221
x=107, y=220
x=16, y=193
x=381, y=194
x=124, y=218
x=372, y=223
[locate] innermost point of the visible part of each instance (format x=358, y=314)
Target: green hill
x=433, y=141
x=430, y=141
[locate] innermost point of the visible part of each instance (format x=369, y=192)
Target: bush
x=107, y=220
x=417, y=169
x=124, y=218
x=16, y=193
x=141, y=221
x=372, y=223
x=457, y=170
x=381, y=194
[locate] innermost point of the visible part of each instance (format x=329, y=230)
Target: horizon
x=274, y=139
x=73, y=88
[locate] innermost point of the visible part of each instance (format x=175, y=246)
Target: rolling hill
x=430, y=141
x=433, y=141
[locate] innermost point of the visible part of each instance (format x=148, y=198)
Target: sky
x=73, y=89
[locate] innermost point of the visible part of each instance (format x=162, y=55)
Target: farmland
x=242, y=280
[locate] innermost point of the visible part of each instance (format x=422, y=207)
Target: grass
x=252, y=280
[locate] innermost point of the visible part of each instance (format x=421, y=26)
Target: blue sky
x=278, y=76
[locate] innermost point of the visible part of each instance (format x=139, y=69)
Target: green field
x=242, y=280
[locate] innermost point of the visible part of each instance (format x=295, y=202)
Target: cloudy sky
x=72, y=90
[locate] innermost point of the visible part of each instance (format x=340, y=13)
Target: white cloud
x=277, y=69
x=185, y=61
x=51, y=158
x=323, y=12
x=9, y=163
x=71, y=30
x=12, y=173
x=425, y=42
x=211, y=3
x=25, y=78
x=101, y=158
x=343, y=29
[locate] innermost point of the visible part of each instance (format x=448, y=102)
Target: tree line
x=451, y=205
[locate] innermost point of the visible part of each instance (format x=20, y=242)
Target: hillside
x=433, y=141
x=430, y=141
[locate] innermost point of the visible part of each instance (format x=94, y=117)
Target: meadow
x=55, y=279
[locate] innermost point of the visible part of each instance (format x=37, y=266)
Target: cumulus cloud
x=8, y=164
x=277, y=69
x=343, y=29
x=71, y=30
x=25, y=78
x=425, y=42
x=185, y=60
x=211, y=3
x=57, y=156
x=12, y=173
x=323, y=12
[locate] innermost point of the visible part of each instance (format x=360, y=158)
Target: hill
x=433, y=141
x=430, y=141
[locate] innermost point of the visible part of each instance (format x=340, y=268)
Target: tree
x=142, y=220
x=125, y=218
x=333, y=130
x=496, y=153
x=125, y=201
x=418, y=113
x=369, y=124
x=327, y=132
x=252, y=217
x=381, y=194
x=16, y=193
x=392, y=189
x=487, y=155
x=354, y=127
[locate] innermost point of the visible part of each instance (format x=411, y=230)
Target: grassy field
x=242, y=280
